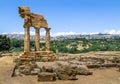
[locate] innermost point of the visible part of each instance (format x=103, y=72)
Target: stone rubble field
x=84, y=68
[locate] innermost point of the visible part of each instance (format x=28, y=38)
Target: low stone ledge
x=46, y=76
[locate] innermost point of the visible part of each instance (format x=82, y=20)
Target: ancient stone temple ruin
x=37, y=21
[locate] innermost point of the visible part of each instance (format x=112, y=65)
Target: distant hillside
x=93, y=36
x=70, y=43
x=21, y=36
x=79, y=45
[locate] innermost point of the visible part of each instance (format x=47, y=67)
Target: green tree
x=15, y=43
x=4, y=43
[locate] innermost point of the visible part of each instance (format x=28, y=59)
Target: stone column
x=37, y=39
x=48, y=39
x=27, y=40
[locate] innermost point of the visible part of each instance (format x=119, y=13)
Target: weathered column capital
x=47, y=29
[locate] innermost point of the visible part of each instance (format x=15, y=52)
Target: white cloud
x=31, y=33
x=44, y=32
x=113, y=31
x=90, y=33
x=63, y=33
x=83, y=33
x=4, y=33
x=17, y=33
x=54, y=34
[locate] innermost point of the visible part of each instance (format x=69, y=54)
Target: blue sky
x=64, y=16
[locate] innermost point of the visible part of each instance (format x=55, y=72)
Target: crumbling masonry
x=37, y=21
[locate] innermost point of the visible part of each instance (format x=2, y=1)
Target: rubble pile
x=91, y=61
x=67, y=66
x=51, y=71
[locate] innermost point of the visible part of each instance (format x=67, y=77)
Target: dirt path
x=100, y=76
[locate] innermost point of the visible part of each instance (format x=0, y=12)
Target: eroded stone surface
x=32, y=19
x=37, y=21
x=46, y=76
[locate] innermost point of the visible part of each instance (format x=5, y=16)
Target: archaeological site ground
x=103, y=65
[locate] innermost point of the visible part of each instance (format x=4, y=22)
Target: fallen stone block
x=25, y=69
x=118, y=65
x=62, y=63
x=76, y=62
x=66, y=73
x=47, y=69
x=109, y=65
x=46, y=76
x=83, y=70
x=65, y=76
x=35, y=71
x=93, y=65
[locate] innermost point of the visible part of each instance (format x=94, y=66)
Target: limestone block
x=76, y=62
x=48, y=69
x=65, y=76
x=93, y=65
x=83, y=70
x=35, y=71
x=46, y=76
x=62, y=63
x=118, y=65
x=26, y=70
x=17, y=72
x=65, y=72
x=109, y=65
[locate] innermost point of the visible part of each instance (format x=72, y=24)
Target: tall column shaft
x=37, y=39
x=47, y=39
x=27, y=40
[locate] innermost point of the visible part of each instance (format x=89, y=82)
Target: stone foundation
x=43, y=56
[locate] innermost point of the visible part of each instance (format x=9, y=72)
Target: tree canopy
x=4, y=43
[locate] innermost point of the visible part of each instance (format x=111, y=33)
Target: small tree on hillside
x=4, y=43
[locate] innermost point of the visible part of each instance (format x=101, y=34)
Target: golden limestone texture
x=37, y=21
